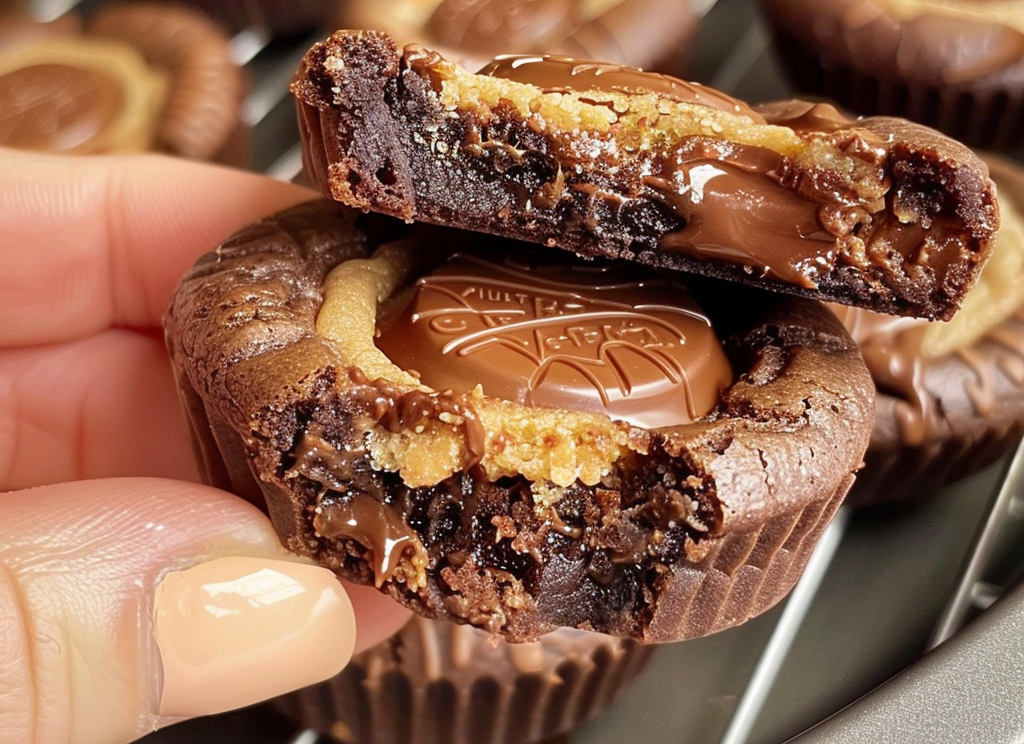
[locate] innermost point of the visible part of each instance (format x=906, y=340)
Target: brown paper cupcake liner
x=974, y=430
x=440, y=683
x=985, y=116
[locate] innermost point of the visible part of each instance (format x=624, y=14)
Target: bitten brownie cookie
x=572, y=498
x=130, y=77
x=652, y=34
x=605, y=160
x=442, y=682
x=950, y=395
x=957, y=65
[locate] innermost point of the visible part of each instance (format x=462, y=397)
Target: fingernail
x=235, y=631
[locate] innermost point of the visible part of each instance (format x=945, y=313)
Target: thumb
x=130, y=603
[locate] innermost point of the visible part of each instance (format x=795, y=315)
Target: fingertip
x=238, y=630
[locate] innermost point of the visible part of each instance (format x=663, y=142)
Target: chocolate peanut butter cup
x=606, y=160
x=481, y=427
x=957, y=65
x=129, y=77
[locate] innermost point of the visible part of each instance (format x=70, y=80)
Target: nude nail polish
x=238, y=630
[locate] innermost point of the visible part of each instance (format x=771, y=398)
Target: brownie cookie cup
x=652, y=34
x=950, y=395
x=542, y=445
x=957, y=65
x=442, y=682
x=131, y=77
x=608, y=160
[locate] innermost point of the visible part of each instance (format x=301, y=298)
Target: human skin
x=99, y=494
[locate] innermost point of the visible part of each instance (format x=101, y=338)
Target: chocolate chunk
x=471, y=508
x=880, y=212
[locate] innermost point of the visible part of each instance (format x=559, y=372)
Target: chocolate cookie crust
x=688, y=530
x=879, y=213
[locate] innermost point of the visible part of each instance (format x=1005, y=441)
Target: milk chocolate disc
x=652, y=34
x=549, y=331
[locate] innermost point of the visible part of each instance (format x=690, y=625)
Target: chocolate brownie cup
x=509, y=513
x=442, y=682
x=950, y=395
x=131, y=77
x=652, y=34
x=957, y=65
x=611, y=161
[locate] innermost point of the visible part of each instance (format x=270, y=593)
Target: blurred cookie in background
x=131, y=77
x=652, y=34
x=956, y=65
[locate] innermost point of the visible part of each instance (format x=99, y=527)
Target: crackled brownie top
x=608, y=160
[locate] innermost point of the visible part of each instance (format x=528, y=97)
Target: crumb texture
x=886, y=214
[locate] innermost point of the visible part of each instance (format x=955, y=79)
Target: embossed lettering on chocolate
x=606, y=160
x=513, y=514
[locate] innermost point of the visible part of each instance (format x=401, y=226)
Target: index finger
x=92, y=242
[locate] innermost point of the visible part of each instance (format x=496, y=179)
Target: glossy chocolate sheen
x=554, y=72
x=689, y=530
x=563, y=333
x=907, y=235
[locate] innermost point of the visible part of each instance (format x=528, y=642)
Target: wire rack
x=883, y=604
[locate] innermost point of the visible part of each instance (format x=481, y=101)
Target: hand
x=130, y=595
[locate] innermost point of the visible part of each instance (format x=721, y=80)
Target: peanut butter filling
x=546, y=446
